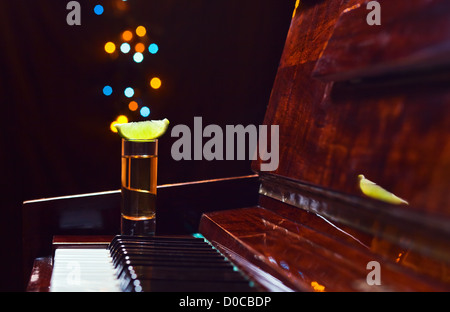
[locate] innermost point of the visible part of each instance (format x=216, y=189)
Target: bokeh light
x=125, y=47
x=133, y=106
x=98, y=9
x=110, y=47
x=119, y=119
x=138, y=57
x=111, y=126
x=122, y=119
x=107, y=90
x=141, y=31
x=129, y=92
x=127, y=35
x=153, y=48
x=145, y=111
x=155, y=83
x=139, y=47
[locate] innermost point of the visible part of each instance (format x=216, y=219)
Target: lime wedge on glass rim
x=142, y=130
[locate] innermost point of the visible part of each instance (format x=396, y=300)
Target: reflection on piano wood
x=349, y=99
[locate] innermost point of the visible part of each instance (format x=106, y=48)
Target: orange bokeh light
x=139, y=47
x=133, y=105
x=141, y=31
x=127, y=35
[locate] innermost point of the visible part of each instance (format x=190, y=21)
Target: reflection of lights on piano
x=127, y=35
x=317, y=287
x=98, y=9
x=155, y=83
x=145, y=111
x=107, y=90
x=399, y=257
x=139, y=47
x=133, y=105
x=138, y=57
x=110, y=47
x=153, y=48
x=129, y=92
x=141, y=31
x=125, y=47
x=284, y=265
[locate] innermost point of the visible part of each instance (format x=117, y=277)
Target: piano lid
x=352, y=99
x=388, y=118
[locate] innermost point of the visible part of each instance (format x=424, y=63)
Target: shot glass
x=138, y=187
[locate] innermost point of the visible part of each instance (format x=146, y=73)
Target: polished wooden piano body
x=349, y=99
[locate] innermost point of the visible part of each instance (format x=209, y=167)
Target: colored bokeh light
x=125, y=47
x=107, y=90
x=133, y=106
x=139, y=47
x=119, y=119
x=127, y=35
x=111, y=126
x=129, y=92
x=145, y=111
x=110, y=47
x=153, y=48
x=98, y=9
x=155, y=83
x=138, y=57
x=122, y=119
x=141, y=31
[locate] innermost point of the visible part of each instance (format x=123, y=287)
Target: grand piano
x=350, y=99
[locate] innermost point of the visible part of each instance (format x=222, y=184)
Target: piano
x=350, y=99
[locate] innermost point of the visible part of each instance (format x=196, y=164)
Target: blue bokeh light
x=145, y=111
x=125, y=47
x=138, y=57
x=98, y=9
x=129, y=92
x=153, y=48
x=107, y=90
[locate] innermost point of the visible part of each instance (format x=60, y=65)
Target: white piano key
x=83, y=270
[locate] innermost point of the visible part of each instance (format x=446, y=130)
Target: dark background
x=217, y=59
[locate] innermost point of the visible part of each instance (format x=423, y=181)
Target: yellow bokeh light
x=111, y=126
x=141, y=31
x=133, y=105
x=155, y=83
x=110, y=47
x=122, y=119
x=140, y=47
x=127, y=35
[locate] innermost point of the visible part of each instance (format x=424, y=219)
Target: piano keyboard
x=141, y=264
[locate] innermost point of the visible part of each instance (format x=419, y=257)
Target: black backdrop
x=217, y=59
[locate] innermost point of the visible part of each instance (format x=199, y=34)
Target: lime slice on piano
x=143, y=130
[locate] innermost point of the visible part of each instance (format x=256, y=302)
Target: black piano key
x=190, y=273
x=173, y=264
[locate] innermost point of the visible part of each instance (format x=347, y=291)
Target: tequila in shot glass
x=139, y=177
